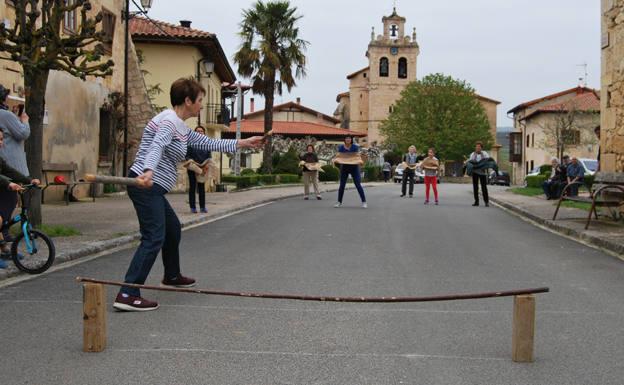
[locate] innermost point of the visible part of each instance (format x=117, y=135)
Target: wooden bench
x=607, y=191
x=68, y=169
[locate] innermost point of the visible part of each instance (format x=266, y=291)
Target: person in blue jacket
x=199, y=156
x=350, y=169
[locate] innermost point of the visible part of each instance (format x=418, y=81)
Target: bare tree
x=569, y=127
x=37, y=43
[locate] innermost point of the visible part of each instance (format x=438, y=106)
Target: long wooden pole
x=452, y=297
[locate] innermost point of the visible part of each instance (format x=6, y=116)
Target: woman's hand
x=24, y=117
x=36, y=182
x=145, y=180
x=253, y=142
x=15, y=187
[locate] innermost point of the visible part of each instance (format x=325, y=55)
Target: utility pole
x=239, y=118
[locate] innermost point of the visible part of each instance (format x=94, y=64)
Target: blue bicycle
x=32, y=251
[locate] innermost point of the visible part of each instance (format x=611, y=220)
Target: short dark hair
x=185, y=88
x=479, y=144
x=432, y=149
x=310, y=145
x=202, y=128
x=566, y=157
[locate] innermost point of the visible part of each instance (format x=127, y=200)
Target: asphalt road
x=396, y=247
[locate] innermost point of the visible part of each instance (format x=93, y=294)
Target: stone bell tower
x=392, y=60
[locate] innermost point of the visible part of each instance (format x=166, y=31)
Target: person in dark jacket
x=10, y=180
x=349, y=169
x=199, y=156
x=409, y=170
x=479, y=175
x=552, y=186
x=310, y=176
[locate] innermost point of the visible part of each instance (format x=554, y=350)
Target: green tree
x=441, y=112
x=288, y=163
x=272, y=55
x=37, y=43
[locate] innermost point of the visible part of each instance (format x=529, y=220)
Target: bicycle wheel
x=35, y=254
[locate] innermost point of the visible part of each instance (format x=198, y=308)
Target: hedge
x=331, y=174
x=372, y=173
x=288, y=178
x=246, y=181
x=248, y=171
x=536, y=181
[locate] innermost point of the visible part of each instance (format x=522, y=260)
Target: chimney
x=185, y=23
x=252, y=105
x=298, y=100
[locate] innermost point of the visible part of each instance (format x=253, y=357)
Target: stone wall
x=612, y=89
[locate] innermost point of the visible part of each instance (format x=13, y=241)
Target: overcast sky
x=509, y=50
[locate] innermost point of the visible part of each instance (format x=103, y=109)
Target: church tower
x=392, y=60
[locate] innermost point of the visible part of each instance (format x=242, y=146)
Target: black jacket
x=10, y=175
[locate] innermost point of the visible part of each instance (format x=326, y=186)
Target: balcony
x=217, y=116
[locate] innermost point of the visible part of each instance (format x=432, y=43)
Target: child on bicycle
x=9, y=179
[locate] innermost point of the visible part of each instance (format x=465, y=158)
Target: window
x=69, y=20
x=571, y=137
x=364, y=74
x=527, y=167
x=384, y=67
x=391, y=109
x=528, y=142
x=533, y=140
x=108, y=29
x=402, y=68
x=515, y=147
x=106, y=136
x=533, y=165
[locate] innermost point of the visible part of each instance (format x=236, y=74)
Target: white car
x=419, y=175
x=590, y=166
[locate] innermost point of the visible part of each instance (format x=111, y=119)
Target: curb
x=610, y=247
x=126, y=241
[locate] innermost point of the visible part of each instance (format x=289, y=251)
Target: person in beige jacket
x=310, y=163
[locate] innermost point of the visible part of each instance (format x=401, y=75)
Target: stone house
x=575, y=112
x=170, y=52
x=79, y=126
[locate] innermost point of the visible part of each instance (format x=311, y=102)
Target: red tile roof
x=525, y=105
x=256, y=127
x=586, y=101
x=289, y=106
x=140, y=26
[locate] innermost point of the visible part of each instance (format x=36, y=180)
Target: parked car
x=500, y=179
x=590, y=165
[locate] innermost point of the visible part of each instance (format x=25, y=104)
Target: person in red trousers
x=431, y=166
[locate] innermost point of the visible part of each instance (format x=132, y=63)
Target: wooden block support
x=94, y=317
x=523, y=328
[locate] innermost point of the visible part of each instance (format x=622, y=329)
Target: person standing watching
x=479, y=175
x=350, y=169
x=597, y=132
x=310, y=176
x=431, y=166
x=199, y=156
x=387, y=169
x=16, y=131
x=409, y=170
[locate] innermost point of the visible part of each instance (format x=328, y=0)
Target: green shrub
x=331, y=174
x=248, y=171
x=589, y=181
x=394, y=157
x=267, y=179
x=545, y=169
x=229, y=178
x=372, y=173
x=536, y=181
x=288, y=178
x=288, y=163
x=109, y=188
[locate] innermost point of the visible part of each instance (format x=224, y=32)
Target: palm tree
x=271, y=55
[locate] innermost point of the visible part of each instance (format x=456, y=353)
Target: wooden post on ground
x=94, y=317
x=523, y=328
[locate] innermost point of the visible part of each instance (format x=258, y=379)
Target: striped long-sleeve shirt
x=164, y=144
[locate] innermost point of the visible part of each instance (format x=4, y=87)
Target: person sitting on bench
x=553, y=186
x=575, y=176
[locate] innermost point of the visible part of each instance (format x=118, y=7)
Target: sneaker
x=475, y=204
x=194, y=211
x=318, y=198
x=436, y=203
x=338, y=204
x=402, y=195
x=203, y=211
x=364, y=205
x=305, y=198
x=125, y=302
x=426, y=202
x=179, y=281
x=487, y=204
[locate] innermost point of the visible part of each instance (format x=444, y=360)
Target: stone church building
x=373, y=90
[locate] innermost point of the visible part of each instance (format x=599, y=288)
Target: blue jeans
x=160, y=230
x=354, y=171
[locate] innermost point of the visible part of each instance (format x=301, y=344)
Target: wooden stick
x=301, y=297
x=117, y=180
x=523, y=328
x=94, y=317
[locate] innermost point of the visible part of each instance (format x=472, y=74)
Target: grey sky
x=509, y=50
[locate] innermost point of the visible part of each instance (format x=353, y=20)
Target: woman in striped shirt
x=163, y=145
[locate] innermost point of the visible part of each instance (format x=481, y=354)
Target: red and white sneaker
x=179, y=281
x=125, y=302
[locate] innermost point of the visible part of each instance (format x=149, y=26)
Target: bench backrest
x=69, y=168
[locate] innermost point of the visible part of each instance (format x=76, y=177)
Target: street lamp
x=127, y=15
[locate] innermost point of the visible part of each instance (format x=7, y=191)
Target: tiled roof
x=140, y=26
x=587, y=101
x=256, y=127
x=296, y=106
x=524, y=105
